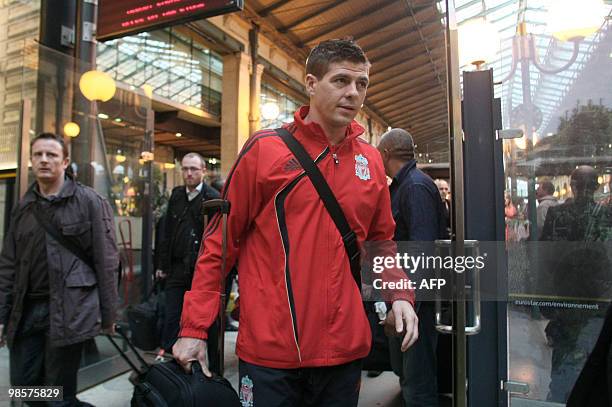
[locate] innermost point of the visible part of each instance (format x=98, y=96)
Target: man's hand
x=188, y=350
x=2, y=338
x=110, y=330
x=402, y=320
x=159, y=274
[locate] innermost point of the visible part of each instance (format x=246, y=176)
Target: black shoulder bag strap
x=329, y=200
x=61, y=239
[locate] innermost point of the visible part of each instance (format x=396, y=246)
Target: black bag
x=167, y=385
x=379, y=357
x=146, y=321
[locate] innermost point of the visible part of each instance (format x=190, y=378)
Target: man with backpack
x=303, y=331
x=58, y=273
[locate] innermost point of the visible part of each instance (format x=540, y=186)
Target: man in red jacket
x=302, y=331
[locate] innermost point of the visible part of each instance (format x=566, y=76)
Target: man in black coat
x=58, y=273
x=180, y=241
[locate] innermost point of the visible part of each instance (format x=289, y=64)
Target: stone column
x=234, y=108
x=255, y=113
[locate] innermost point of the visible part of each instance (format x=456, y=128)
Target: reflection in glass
x=559, y=94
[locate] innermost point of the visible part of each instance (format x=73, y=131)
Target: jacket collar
x=309, y=132
x=67, y=191
x=403, y=172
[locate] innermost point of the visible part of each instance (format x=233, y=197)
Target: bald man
x=418, y=212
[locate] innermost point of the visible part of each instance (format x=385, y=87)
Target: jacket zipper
x=279, y=201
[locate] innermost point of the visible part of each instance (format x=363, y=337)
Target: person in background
x=546, y=200
x=179, y=243
x=445, y=195
x=58, y=273
x=575, y=271
x=419, y=216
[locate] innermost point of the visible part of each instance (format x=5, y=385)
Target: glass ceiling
x=547, y=90
x=174, y=66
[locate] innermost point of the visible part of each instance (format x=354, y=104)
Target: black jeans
x=35, y=362
x=330, y=386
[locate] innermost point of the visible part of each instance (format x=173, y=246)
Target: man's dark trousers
x=330, y=386
x=34, y=362
x=176, y=287
x=419, y=386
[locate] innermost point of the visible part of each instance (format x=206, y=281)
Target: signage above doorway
x=120, y=18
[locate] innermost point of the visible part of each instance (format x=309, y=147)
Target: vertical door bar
x=457, y=219
x=24, y=149
x=147, y=205
x=484, y=221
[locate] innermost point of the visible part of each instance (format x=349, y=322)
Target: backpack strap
x=61, y=239
x=349, y=238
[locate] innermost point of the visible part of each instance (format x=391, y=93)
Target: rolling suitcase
x=166, y=384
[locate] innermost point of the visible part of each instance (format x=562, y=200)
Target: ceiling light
x=118, y=120
x=97, y=85
x=103, y=116
x=570, y=21
x=71, y=129
x=477, y=31
x=179, y=134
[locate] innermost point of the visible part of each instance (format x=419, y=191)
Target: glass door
x=550, y=73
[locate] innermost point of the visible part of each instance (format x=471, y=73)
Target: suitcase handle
x=144, y=364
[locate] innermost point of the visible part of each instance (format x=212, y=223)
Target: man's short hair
x=547, y=187
x=50, y=136
x=196, y=155
x=331, y=51
x=399, y=144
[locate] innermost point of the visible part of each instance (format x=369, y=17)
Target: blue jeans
x=416, y=367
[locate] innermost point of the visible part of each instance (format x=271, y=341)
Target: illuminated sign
x=118, y=18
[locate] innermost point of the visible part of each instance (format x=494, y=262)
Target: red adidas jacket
x=299, y=304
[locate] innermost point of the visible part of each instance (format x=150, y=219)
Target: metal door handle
x=515, y=387
x=469, y=330
x=474, y=329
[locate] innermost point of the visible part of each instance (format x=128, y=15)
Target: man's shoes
x=374, y=373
